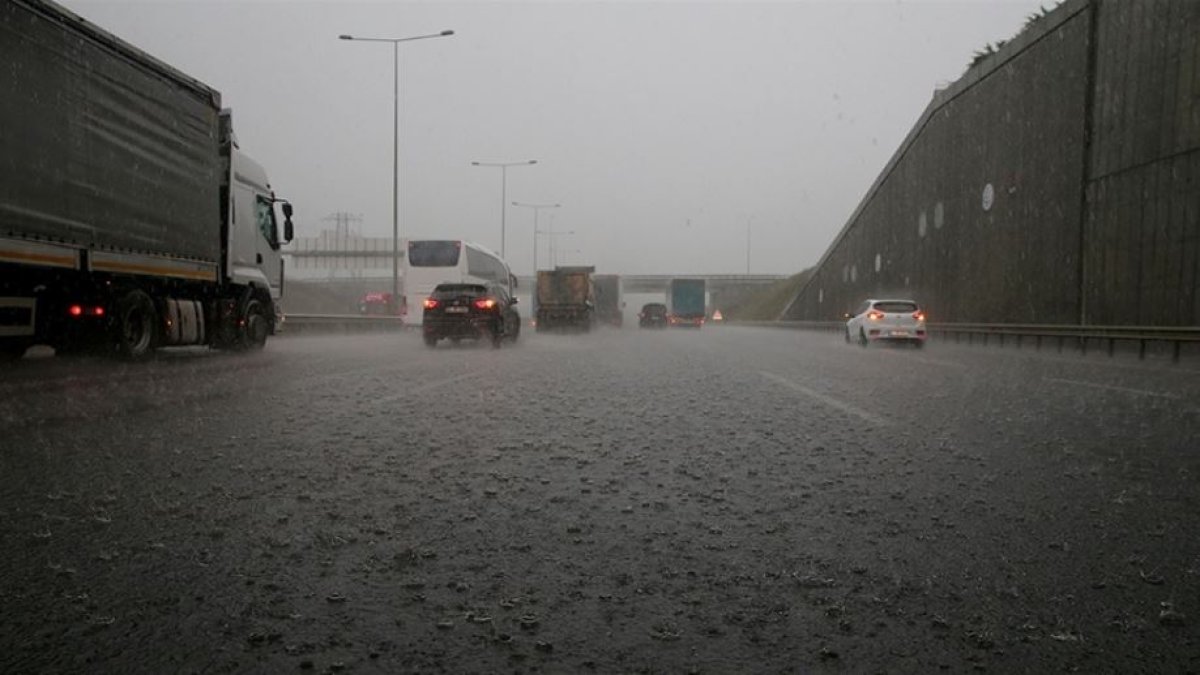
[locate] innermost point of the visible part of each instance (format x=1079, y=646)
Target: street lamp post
x=395, y=42
x=536, y=209
x=553, y=246
x=503, y=194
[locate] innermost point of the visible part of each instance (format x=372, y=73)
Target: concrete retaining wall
x=1056, y=182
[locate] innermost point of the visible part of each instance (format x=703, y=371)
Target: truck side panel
x=608, y=299
x=102, y=147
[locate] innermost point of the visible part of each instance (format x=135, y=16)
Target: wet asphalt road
x=724, y=500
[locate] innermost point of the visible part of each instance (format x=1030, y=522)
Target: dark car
x=470, y=312
x=653, y=315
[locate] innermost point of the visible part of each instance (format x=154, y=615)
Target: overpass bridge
x=630, y=283
x=657, y=283
x=341, y=294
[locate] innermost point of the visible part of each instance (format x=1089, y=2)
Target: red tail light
x=430, y=303
x=875, y=316
x=75, y=310
x=98, y=311
x=919, y=316
x=485, y=303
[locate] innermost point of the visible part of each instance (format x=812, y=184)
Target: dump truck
x=685, y=302
x=129, y=218
x=565, y=299
x=609, y=308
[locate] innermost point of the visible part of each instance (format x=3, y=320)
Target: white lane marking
x=1111, y=387
x=827, y=400
x=427, y=386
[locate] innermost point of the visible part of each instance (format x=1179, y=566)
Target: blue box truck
x=685, y=302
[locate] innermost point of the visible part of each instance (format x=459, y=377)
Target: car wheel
x=919, y=344
x=497, y=337
x=430, y=341
x=862, y=339
x=847, y=336
x=455, y=341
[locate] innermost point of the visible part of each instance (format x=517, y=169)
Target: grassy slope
x=766, y=304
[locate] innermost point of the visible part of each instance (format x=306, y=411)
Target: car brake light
x=875, y=316
x=919, y=316
x=75, y=310
x=485, y=303
x=98, y=311
x=430, y=303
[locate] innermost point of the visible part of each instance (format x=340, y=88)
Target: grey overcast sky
x=664, y=129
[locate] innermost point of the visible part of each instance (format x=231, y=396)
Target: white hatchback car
x=900, y=320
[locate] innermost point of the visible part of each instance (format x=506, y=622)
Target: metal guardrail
x=1175, y=336
x=1077, y=336
x=296, y=323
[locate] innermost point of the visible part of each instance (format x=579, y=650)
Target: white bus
x=429, y=262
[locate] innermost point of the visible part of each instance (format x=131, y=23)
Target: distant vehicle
x=470, y=312
x=653, y=315
x=374, y=304
x=429, y=262
x=565, y=299
x=893, y=320
x=685, y=302
x=609, y=307
x=129, y=218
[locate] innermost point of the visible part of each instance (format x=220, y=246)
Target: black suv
x=471, y=312
x=653, y=315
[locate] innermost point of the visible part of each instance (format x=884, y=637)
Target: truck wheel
x=135, y=327
x=255, y=326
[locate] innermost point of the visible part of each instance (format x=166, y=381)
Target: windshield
x=600, y=337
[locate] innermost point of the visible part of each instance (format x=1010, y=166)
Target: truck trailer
x=609, y=307
x=685, y=302
x=565, y=299
x=129, y=219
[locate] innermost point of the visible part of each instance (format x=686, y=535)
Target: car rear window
x=654, y=308
x=450, y=290
x=896, y=306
